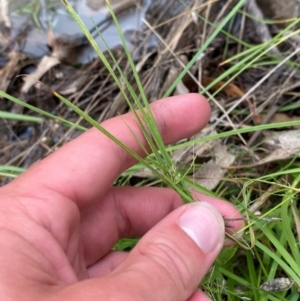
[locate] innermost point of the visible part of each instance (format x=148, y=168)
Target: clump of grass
x=223, y=280
x=273, y=244
x=162, y=165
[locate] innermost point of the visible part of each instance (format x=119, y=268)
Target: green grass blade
x=291, y=268
x=204, y=47
x=20, y=117
x=39, y=111
x=148, y=116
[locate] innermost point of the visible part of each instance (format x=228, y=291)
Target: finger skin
x=131, y=212
x=107, y=264
x=124, y=212
x=199, y=296
x=165, y=265
x=226, y=209
x=82, y=168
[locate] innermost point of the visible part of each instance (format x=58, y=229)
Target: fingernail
x=204, y=225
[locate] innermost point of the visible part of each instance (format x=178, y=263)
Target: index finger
x=85, y=168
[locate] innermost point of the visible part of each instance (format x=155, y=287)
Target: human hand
x=61, y=218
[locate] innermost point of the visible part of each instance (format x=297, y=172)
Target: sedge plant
x=273, y=246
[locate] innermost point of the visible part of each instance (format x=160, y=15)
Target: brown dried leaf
x=277, y=118
x=5, y=13
x=10, y=70
x=230, y=90
x=277, y=155
x=46, y=63
x=188, y=154
x=212, y=172
x=277, y=285
x=285, y=145
x=287, y=140
x=181, y=89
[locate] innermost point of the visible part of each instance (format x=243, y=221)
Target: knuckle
x=161, y=123
x=170, y=262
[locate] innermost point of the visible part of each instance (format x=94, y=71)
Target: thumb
x=172, y=258
x=168, y=262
